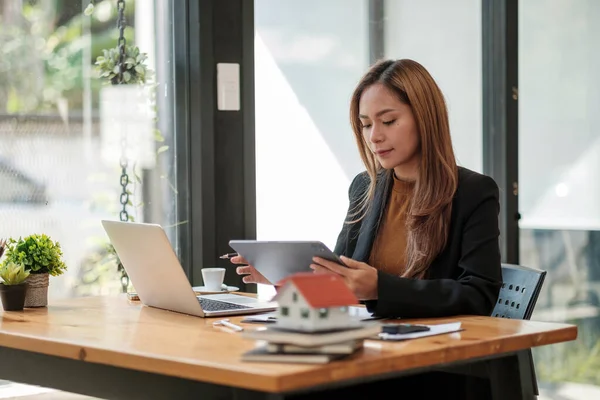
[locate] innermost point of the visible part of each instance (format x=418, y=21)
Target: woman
x=421, y=234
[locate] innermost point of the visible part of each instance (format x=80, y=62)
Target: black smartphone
x=400, y=329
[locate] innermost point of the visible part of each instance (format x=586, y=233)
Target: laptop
x=159, y=280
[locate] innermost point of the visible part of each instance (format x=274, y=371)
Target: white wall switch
x=228, y=86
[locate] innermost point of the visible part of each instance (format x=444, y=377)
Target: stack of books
x=284, y=345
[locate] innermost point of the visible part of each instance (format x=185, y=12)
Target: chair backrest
x=519, y=293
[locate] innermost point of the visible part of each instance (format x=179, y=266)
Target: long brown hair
x=428, y=218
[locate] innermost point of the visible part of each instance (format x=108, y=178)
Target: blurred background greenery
x=48, y=49
x=52, y=37
x=577, y=361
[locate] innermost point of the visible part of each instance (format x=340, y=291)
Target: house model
x=314, y=302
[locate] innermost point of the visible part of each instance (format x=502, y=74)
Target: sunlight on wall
x=302, y=192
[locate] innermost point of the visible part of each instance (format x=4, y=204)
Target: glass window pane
x=309, y=56
x=308, y=63
x=559, y=196
x=445, y=36
x=63, y=127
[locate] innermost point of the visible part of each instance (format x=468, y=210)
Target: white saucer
x=226, y=289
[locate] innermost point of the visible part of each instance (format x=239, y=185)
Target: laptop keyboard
x=215, y=305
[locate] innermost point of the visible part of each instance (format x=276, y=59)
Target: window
x=59, y=163
x=304, y=313
x=285, y=311
x=307, y=64
x=323, y=313
x=445, y=36
x=308, y=57
x=295, y=297
x=18, y=188
x=559, y=189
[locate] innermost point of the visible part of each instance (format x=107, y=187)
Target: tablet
x=279, y=259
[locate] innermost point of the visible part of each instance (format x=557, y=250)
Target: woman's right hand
x=253, y=276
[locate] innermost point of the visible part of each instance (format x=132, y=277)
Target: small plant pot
x=37, y=290
x=13, y=296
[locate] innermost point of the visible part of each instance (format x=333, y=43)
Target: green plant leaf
x=13, y=274
x=88, y=10
x=162, y=149
x=158, y=136
x=134, y=64
x=37, y=253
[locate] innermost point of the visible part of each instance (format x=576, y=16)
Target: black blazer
x=465, y=278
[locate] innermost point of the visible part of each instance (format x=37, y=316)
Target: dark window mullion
x=500, y=114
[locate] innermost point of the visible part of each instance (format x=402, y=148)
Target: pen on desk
x=225, y=322
x=229, y=256
x=232, y=326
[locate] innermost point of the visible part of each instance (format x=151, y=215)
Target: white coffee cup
x=213, y=279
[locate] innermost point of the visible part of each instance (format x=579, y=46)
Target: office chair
x=521, y=287
x=519, y=293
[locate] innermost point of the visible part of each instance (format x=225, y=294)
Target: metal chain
x=124, y=181
x=124, y=199
x=121, y=42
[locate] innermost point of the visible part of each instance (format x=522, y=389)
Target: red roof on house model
x=320, y=290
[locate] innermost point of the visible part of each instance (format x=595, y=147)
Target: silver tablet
x=278, y=259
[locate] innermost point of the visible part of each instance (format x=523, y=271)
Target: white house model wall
x=311, y=303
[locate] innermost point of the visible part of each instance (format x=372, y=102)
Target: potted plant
x=135, y=71
x=42, y=257
x=13, y=287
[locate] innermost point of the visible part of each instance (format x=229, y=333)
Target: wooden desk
x=112, y=348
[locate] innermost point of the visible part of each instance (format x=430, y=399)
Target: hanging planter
x=127, y=126
x=128, y=114
x=135, y=70
x=126, y=107
x=41, y=257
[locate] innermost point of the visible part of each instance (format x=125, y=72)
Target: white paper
x=268, y=317
x=433, y=330
x=359, y=312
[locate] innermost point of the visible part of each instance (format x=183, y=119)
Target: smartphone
x=400, y=329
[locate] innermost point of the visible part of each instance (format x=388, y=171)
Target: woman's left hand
x=360, y=277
